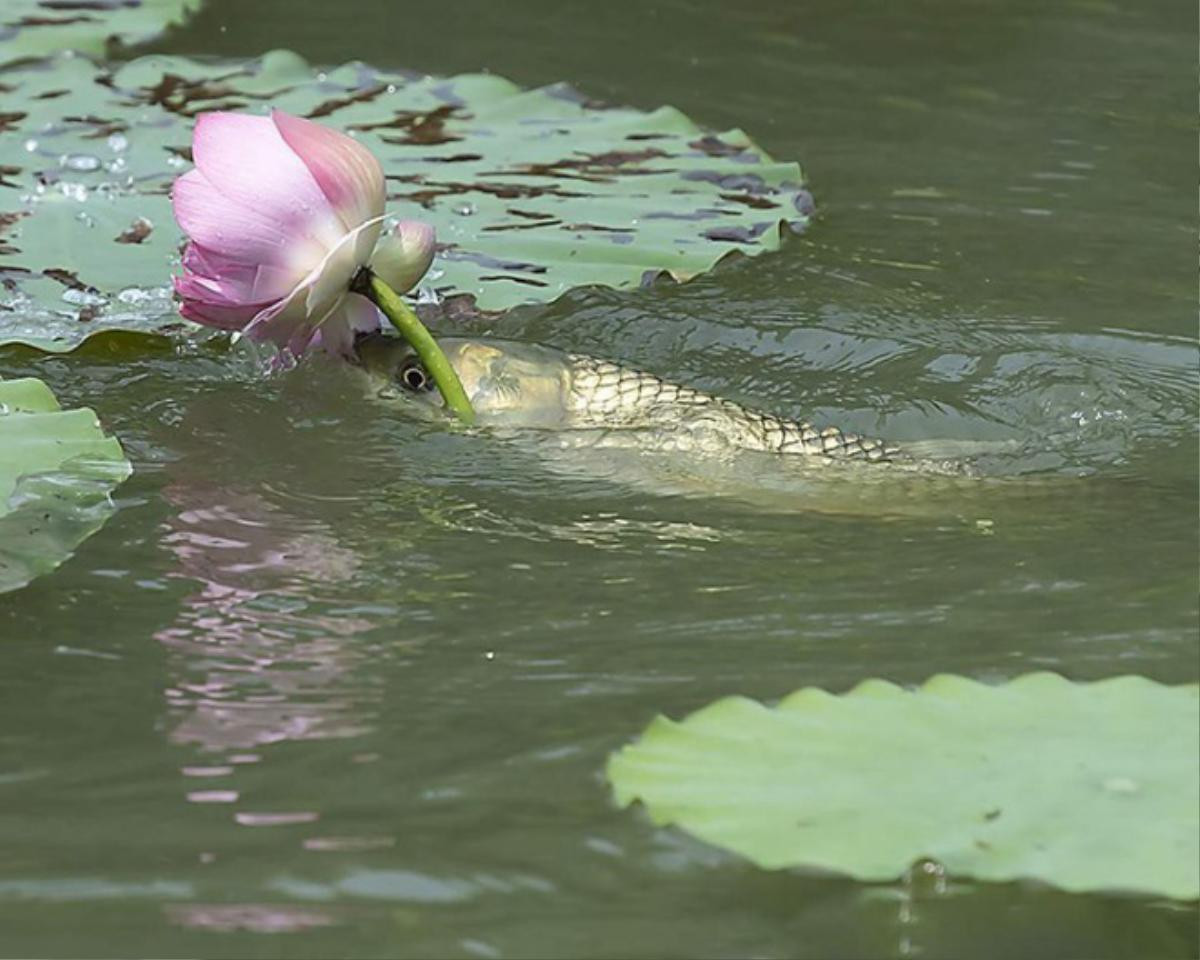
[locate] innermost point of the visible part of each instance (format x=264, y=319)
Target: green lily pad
x=34, y=28
x=1085, y=786
x=532, y=192
x=57, y=469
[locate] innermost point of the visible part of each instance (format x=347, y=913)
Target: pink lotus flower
x=281, y=214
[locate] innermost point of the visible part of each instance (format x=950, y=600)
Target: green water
x=335, y=681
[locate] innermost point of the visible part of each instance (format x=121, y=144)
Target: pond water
x=338, y=681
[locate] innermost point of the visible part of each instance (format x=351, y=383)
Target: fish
x=595, y=419
x=521, y=385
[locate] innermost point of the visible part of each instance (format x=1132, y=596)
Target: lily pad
x=532, y=192
x=57, y=469
x=1085, y=786
x=34, y=28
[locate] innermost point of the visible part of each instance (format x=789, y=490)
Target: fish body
x=527, y=385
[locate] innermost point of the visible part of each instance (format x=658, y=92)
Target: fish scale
x=605, y=394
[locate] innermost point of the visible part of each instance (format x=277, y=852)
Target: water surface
x=339, y=681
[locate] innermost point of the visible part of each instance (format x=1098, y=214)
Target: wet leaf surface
x=34, y=28
x=533, y=192
x=57, y=469
x=1085, y=786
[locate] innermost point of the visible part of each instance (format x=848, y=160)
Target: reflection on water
x=256, y=661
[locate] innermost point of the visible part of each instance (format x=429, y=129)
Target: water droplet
x=135, y=296
x=118, y=142
x=83, y=298
x=80, y=162
x=427, y=295
x=85, y=218
x=73, y=191
x=176, y=161
x=391, y=88
x=3, y=409
x=465, y=209
x=31, y=145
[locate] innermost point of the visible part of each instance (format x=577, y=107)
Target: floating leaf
x=34, y=28
x=57, y=469
x=1086, y=786
x=532, y=192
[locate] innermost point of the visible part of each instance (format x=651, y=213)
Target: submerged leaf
x=532, y=192
x=1086, y=786
x=57, y=469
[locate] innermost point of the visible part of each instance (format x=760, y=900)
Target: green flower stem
x=435, y=362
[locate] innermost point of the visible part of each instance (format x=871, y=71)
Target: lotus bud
x=404, y=254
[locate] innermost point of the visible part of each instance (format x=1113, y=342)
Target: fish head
x=508, y=383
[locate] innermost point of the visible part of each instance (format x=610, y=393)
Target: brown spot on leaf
x=702, y=214
x=97, y=5
x=7, y=171
x=747, y=182
x=424, y=128
x=9, y=120
x=504, y=191
x=716, y=147
x=532, y=225
x=451, y=252
x=6, y=221
x=599, y=228
x=68, y=279
x=190, y=97
x=136, y=232
x=102, y=128
x=737, y=234
x=528, y=281
x=327, y=107
x=530, y=214
x=596, y=167
x=759, y=203
x=50, y=21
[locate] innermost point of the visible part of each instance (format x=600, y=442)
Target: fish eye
x=413, y=377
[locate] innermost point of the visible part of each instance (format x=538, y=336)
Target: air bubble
x=118, y=142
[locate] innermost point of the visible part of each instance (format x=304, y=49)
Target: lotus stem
x=409, y=326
